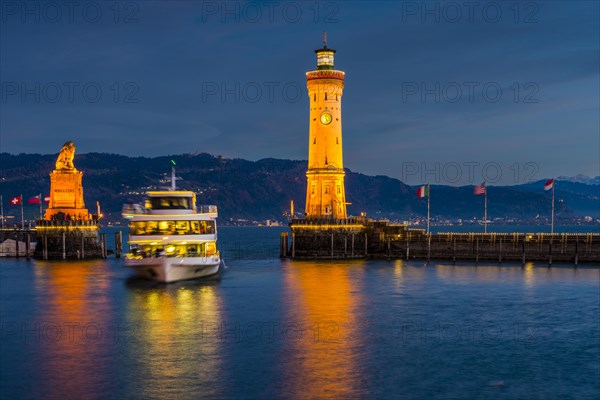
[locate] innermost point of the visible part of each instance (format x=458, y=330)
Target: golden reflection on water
x=324, y=361
x=529, y=274
x=73, y=327
x=398, y=270
x=176, y=342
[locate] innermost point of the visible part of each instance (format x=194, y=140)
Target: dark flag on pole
x=479, y=189
x=549, y=185
x=35, y=200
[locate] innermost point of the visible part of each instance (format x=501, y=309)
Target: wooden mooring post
x=283, y=244
x=345, y=246
x=28, y=245
x=103, y=251
x=332, y=245
x=64, y=245
x=500, y=252
x=293, y=244
x=45, y=247
x=118, y=243
x=17, y=245
x=454, y=250
x=429, y=247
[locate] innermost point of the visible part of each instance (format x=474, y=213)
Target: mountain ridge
x=262, y=189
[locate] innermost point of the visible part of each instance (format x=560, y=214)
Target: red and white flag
x=34, y=200
x=549, y=185
x=47, y=199
x=15, y=201
x=479, y=189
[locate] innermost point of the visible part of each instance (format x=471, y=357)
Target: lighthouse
x=325, y=192
x=326, y=231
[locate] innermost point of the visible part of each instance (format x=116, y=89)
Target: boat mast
x=173, y=185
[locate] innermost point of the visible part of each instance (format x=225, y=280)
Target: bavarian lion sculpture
x=65, y=158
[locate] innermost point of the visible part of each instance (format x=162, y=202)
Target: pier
x=366, y=238
x=49, y=240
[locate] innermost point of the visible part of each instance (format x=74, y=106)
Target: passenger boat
x=170, y=238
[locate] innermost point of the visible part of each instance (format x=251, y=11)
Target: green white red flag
x=423, y=191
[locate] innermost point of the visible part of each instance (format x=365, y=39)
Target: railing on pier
x=75, y=223
x=328, y=221
x=494, y=246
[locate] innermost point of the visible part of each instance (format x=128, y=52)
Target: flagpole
x=485, y=210
x=428, y=199
x=552, y=221
x=2, y=210
x=22, y=215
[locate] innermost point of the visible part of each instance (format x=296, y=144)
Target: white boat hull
x=172, y=269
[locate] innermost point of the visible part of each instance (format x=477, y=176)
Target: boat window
x=170, y=203
x=172, y=227
x=175, y=250
x=182, y=227
x=203, y=227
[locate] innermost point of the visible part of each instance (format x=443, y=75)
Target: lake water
x=299, y=330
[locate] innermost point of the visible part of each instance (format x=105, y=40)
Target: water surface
x=300, y=330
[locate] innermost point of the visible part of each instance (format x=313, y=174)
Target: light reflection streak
x=176, y=347
x=326, y=362
x=74, y=324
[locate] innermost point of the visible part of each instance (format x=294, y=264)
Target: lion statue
x=65, y=158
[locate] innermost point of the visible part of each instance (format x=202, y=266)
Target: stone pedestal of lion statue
x=68, y=230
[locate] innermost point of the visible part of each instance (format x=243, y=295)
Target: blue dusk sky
x=508, y=90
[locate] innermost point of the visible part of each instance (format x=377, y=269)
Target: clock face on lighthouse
x=326, y=118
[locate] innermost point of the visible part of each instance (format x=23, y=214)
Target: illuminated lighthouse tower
x=325, y=193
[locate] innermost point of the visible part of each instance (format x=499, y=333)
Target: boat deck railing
x=141, y=255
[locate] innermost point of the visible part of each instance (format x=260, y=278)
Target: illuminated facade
x=66, y=189
x=325, y=192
